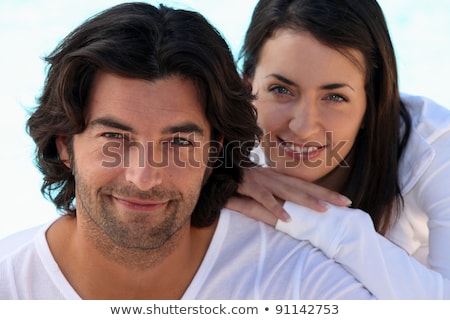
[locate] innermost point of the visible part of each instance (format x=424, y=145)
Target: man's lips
x=136, y=204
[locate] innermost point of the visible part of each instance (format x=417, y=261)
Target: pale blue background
x=30, y=29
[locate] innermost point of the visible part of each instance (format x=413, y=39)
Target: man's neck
x=94, y=273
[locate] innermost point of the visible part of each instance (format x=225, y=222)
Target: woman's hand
x=263, y=187
x=252, y=209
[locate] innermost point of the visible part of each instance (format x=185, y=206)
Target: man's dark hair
x=138, y=40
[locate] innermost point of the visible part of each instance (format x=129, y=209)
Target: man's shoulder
x=14, y=242
x=26, y=255
x=242, y=227
x=248, y=259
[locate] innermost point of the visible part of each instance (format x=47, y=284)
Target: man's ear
x=221, y=138
x=217, y=146
x=63, y=150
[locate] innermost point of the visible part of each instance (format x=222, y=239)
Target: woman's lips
x=305, y=151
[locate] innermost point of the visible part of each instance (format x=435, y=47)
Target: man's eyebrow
x=188, y=127
x=110, y=123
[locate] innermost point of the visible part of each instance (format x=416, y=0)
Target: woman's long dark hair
x=373, y=184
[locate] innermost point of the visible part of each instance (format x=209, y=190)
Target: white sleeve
x=432, y=195
x=348, y=236
x=322, y=278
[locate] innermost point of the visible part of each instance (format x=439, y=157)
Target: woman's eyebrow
x=332, y=86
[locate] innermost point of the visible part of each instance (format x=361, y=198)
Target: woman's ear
x=63, y=150
x=248, y=79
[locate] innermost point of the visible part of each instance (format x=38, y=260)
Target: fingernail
x=346, y=200
x=323, y=204
x=285, y=216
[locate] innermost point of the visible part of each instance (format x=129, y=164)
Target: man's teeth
x=298, y=149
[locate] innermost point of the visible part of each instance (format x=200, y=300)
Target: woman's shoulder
x=428, y=141
x=429, y=118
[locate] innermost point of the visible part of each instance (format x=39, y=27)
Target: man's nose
x=142, y=169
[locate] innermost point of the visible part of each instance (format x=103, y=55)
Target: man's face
x=140, y=163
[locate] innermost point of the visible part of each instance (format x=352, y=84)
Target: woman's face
x=311, y=102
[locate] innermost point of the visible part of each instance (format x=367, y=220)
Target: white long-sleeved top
x=415, y=262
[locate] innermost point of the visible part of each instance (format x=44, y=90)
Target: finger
x=251, y=209
x=265, y=198
x=272, y=201
x=320, y=193
x=291, y=189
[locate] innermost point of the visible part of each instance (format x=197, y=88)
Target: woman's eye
x=279, y=90
x=336, y=98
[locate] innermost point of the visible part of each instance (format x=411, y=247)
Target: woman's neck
x=337, y=179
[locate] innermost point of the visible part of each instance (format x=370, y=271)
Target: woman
x=324, y=77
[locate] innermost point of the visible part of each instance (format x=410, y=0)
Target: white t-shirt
x=245, y=260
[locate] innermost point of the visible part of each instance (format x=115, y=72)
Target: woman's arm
x=431, y=196
x=267, y=186
x=348, y=236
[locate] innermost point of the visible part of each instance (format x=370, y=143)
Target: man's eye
x=113, y=135
x=180, y=142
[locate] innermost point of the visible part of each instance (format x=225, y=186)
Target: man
x=141, y=132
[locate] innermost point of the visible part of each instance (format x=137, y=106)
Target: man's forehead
x=112, y=122
x=128, y=103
